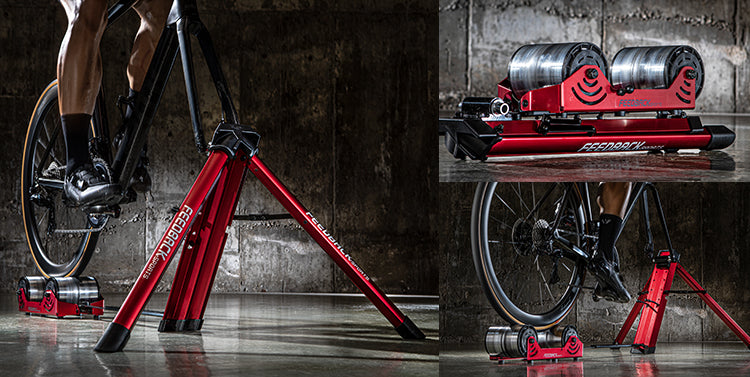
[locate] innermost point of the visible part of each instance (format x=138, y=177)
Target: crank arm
x=48, y=183
x=572, y=251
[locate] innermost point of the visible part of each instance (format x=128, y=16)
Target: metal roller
x=508, y=341
x=654, y=67
x=33, y=286
x=556, y=337
x=536, y=66
x=73, y=290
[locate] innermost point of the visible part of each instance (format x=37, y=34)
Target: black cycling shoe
x=610, y=286
x=87, y=187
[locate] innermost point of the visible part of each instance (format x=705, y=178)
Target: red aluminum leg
x=201, y=254
x=652, y=304
x=632, y=316
x=118, y=332
x=714, y=306
x=653, y=309
x=224, y=212
x=402, y=323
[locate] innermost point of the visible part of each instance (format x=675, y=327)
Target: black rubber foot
x=408, y=330
x=114, y=339
x=721, y=137
x=168, y=325
x=177, y=325
x=644, y=350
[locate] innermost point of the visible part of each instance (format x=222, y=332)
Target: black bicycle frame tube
x=183, y=19
x=145, y=105
x=187, y=21
x=640, y=192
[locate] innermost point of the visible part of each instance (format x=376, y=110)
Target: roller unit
x=504, y=343
x=564, y=98
x=60, y=297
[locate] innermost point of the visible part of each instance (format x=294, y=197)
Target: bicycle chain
x=79, y=231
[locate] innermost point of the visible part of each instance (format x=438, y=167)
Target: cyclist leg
x=153, y=14
x=612, y=199
x=79, y=76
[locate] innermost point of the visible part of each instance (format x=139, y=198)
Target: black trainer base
x=174, y=325
x=408, y=330
x=115, y=337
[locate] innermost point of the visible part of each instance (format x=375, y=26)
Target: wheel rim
x=518, y=251
x=54, y=254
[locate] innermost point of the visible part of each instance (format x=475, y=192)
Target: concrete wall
x=708, y=224
x=478, y=37
x=343, y=95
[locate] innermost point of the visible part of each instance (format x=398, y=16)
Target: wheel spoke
x=505, y=204
x=501, y=222
x=536, y=261
x=518, y=193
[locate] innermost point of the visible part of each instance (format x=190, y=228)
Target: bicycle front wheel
x=522, y=237
x=54, y=231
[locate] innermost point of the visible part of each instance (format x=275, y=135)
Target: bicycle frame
x=182, y=22
x=640, y=191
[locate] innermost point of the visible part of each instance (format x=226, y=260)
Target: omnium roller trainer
x=556, y=96
x=504, y=343
x=60, y=297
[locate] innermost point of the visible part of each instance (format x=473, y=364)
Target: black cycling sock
x=131, y=96
x=76, y=133
x=129, y=113
x=609, y=227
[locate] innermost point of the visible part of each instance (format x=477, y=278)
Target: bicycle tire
x=512, y=301
x=54, y=254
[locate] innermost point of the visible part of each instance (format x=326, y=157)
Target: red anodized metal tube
x=157, y=264
x=327, y=242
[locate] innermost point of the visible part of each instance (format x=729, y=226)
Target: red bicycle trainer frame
x=203, y=217
x=51, y=305
x=579, y=94
x=652, y=303
x=573, y=348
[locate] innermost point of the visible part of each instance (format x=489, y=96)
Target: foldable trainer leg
x=652, y=302
x=204, y=216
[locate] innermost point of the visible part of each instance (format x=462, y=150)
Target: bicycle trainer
x=60, y=297
x=202, y=220
x=652, y=303
x=563, y=91
x=505, y=343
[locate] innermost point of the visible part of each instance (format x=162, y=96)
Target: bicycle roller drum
x=34, y=287
x=536, y=66
x=508, y=341
x=556, y=337
x=654, y=67
x=73, y=290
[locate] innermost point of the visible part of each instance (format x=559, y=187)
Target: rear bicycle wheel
x=521, y=237
x=47, y=220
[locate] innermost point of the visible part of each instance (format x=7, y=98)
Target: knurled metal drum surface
x=654, y=67
x=74, y=290
x=508, y=341
x=536, y=66
x=34, y=287
x=568, y=332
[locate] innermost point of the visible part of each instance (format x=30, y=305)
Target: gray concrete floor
x=244, y=334
x=671, y=359
x=729, y=164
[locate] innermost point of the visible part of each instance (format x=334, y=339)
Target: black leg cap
x=408, y=330
x=114, y=338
